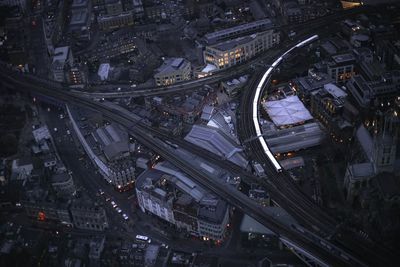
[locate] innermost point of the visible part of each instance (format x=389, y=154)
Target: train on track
x=265, y=80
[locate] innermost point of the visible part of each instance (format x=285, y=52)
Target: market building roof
x=287, y=111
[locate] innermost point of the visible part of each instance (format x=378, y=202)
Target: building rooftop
x=210, y=207
x=360, y=170
x=61, y=54
x=230, y=44
x=213, y=212
x=343, y=58
x=41, y=133
x=207, y=112
x=294, y=138
x=223, y=122
x=171, y=65
x=23, y=161
x=365, y=140
x=184, y=183
x=79, y=3
x=335, y=91
x=313, y=81
x=79, y=17
x=112, y=17
x=109, y=143
x=264, y=23
x=148, y=177
x=60, y=177
x=86, y=205
x=287, y=111
x=113, y=141
x=217, y=142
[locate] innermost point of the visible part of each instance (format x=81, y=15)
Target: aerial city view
x=199, y=133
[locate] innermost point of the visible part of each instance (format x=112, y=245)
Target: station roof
x=287, y=111
x=217, y=142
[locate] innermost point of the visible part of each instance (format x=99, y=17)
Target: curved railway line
x=291, y=197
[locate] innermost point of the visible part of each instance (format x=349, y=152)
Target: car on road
x=108, y=198
x=101, y=192
x=118, y=210
x=125, y=216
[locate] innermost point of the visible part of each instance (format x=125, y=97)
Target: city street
x=89, y=181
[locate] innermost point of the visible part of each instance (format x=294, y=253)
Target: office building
x=169, y=194
x=233, y=87
x=21, y=169
x=88, y=216
x=96, y=247
x=79, y=26
x=305, y=86
x=341, y=67
x=53, y=23
x=236, y=31
x=62, y=59
x=107, y=147
x=45, y=211
x=113, y=7
x=173, y=70
x=77, y=76
x=63, y=184
x=185, y=108
x=381, y=92
x=111, y=22
x=235, y=51
x=137, y=6
x=327, y=105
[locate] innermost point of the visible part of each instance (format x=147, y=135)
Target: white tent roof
x=289, y=110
